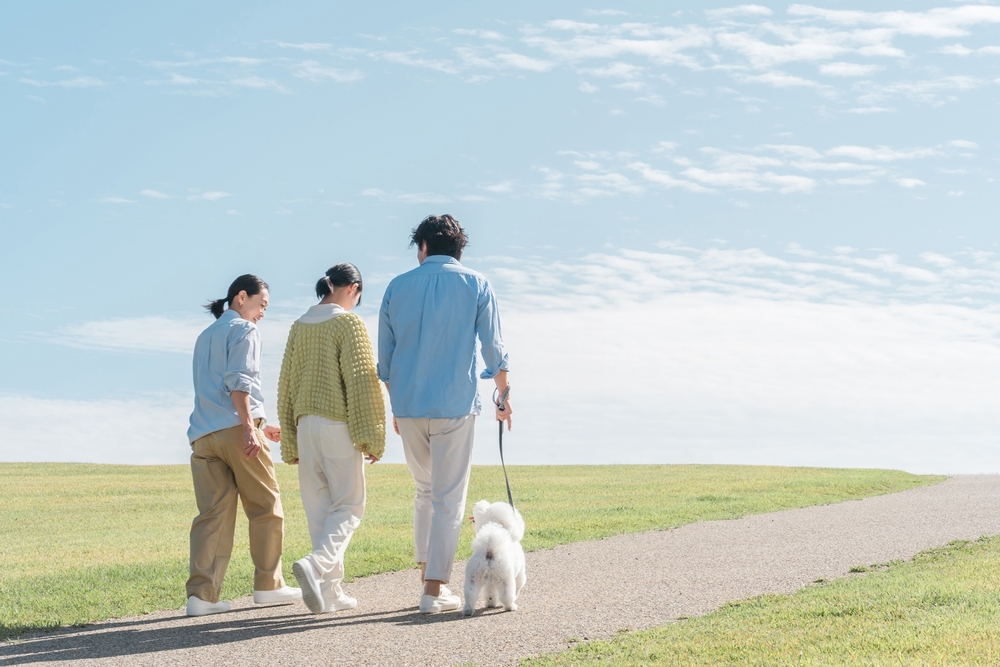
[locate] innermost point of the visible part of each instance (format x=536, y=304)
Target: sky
x=719, y=233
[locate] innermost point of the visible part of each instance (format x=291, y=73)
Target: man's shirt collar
x=441, y=259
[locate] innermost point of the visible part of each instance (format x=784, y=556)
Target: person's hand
x=395, y=426
x=370, y=458
x=273, y=433
x=250, y=445
x=506, y=413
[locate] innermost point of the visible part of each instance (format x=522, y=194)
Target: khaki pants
x=221, y=473
x=439, y=456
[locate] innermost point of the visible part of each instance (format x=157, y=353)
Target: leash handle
x=500, y=404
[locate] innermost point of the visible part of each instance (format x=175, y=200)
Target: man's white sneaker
x=338, y=600
x=278, y=595
x=198, y=607
x=446, y=601
x=308, y=579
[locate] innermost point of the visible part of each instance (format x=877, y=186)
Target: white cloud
x=740, y=10
x=147, y=430
x=848, y=69
x=778, y=80
x=77, y=82
x=306, y=46
x=665, y=178
x=502, y=187
x=741, y=356
x=482, y=34
x=213, y=195
x=587, y=87
x=868, y=110
x=313, y=71
x=257, y=82
x=938, y=22
x=407, y=198
x=955, y=50
x=910, y=182
x=242, y=60
x=154, y=194
x=115, y=200
x=881, y=153
x=136, y=334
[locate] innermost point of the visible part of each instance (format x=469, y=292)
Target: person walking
x=332, y=412
x=230, y=456
x=428, y=325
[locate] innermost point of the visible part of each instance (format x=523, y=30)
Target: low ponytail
x=339, y=275
x=216, y=307
x=248, y=283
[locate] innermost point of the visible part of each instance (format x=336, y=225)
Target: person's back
x=431, y=318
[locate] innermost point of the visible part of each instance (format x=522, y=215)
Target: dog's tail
x=490, y=539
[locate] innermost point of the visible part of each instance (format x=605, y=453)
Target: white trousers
x=439, y=455
x=332, y=483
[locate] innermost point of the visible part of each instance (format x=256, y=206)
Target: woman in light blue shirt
x=230, y=458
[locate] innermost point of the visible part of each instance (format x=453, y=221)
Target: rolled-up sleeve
x=242, y=361
x=488, y=331
x=386, y=339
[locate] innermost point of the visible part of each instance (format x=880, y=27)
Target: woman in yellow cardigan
x=332, y=419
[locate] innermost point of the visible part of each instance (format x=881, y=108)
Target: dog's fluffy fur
x=497, y=564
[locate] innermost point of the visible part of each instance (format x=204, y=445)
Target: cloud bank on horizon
x=751, y=233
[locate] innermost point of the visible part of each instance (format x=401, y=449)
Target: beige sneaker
x=338, y=600
x=198, y=607
x=285, y=594
x=308, y=579
x=446, y=601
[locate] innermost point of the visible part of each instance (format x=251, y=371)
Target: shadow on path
x=133, y=638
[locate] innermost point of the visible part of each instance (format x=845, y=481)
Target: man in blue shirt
x=428, y=326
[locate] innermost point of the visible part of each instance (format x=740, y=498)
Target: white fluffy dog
x=497, y=563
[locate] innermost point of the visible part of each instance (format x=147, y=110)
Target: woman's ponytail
x=339, y=275
x=216, y=307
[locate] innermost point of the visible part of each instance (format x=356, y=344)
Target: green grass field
x=84, y=542
x=941, y=608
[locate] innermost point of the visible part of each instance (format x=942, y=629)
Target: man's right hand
x=505, y=414
x=250, y=445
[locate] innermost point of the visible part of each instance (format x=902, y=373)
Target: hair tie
x=328, y=283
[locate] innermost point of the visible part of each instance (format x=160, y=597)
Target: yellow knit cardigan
x=329, y=370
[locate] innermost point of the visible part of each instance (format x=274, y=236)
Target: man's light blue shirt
x=226, y=359
x=427, y=330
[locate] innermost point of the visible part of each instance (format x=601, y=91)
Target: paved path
x=579, y=591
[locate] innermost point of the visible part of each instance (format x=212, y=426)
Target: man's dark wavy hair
x=442, y=234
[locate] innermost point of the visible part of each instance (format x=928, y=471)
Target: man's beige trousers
x=221, y=473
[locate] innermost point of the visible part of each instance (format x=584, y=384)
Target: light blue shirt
x=226, y=359
x=427, y=330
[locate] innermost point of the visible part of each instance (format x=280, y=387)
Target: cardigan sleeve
x=365, y=403
x=286, y=403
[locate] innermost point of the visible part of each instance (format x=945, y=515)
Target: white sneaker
x=198, y=607
x=308, y=579
x=446, y=601
x=338, y=600
x=283, y=594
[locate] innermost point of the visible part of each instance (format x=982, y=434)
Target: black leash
x=500, y=404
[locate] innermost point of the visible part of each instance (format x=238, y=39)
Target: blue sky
x=720, y=233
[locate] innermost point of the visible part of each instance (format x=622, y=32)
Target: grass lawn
x=82, y=542
x=941, y=608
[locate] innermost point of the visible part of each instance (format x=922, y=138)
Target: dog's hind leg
x=472, y=589
x=521, y=579
x=508, y=593
x=492, y=595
